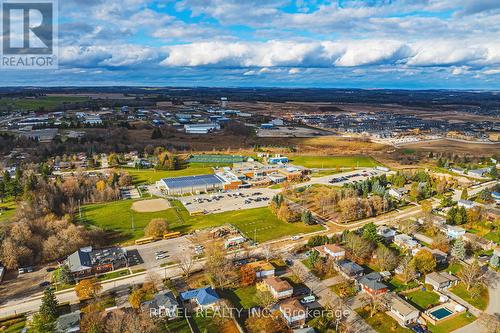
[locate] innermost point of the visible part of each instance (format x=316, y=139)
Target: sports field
x=259, y=223
x=151, y=176
x=324, y=162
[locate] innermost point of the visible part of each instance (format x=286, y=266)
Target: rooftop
x=277, y=284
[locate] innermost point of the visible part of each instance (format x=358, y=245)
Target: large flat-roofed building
x=191, y=184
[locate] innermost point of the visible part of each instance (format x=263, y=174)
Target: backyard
x=480, y=302
x=325, y=162
x=242, y=297
x=381, y=322
x=453, y=324
x=423, y=299
x=259, y=224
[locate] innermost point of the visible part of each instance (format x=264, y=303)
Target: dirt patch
x=150, y=206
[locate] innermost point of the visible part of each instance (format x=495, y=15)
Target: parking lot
x=223, y=202
x=345, y=177
x=172, y=247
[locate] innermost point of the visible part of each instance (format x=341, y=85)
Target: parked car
x=23, y=270
x=44, y=284
x=296, y=237
x=308, y=299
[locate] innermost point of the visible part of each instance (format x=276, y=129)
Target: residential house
x=262, y=269
x=406, y=242
x=496, y=196
x=163, y=305
x=294, y=313
x=440, y=256
x=387, y=234
x=87, y=261
x=398, y=193
x=478, y=241
x=202, y=298
x=332, y=250
x=441, y=280
x=68, y=323
x=454, y=232
x=372, y=285
x=402, y=311
x=280, y=289
x=467, y=204
x=349, y=269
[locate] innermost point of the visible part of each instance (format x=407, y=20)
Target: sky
x=427, y=44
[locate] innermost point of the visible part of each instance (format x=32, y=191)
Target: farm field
x=150, y=176
x=258, y=223
x=48, y=102
x=334, y=161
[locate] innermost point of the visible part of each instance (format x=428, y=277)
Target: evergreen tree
x=458, y=249
x=48, y=308
x=306, y=217
x=370, y=232
x=494, y=262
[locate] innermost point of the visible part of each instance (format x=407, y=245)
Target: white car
x=308, y=299
x=297, y=237
x=161, y=256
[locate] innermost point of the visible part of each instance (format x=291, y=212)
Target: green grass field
x=452, y=324
x=243, y=297
x=7, y=209
x=381, y=322
x=150, y=176
x=117, y=216
x=334, y=161
x=48, y=102
x=423, y=299
x=479, y=302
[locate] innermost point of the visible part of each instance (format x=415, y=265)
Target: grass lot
x=453, y=324
x=423, y=299
x=48, y=102
x=334, y=161
x=493, y=236
x=453, y=268
x=397, y=285
x=114, y=275
x=117, y=216
x=381, y=322
x=480, y=302
x=243, y=297
x=150, y=176
x=7, y=209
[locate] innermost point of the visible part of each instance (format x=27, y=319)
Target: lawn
x=423, y=299
x=454, y=268
x=7, y=209
x=397, y=285
x=243, y=297
x=479, y=302
x=114, y=275
x=151, y=176
x=259, y=222
x=381, y=322
x=334, y=161
x=453, y=324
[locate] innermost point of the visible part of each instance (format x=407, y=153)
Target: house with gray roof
x=68, y=323
x=87, y=261
x=163, y=305
x=349, y=269
x=372, y=284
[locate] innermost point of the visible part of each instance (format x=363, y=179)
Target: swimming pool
x=441, y=313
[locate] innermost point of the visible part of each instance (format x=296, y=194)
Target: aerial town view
x=252, y=166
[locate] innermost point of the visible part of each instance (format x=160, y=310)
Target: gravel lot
x=174, y=248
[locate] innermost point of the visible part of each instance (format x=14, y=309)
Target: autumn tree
x=156, y=228
x=408, y=270
x=359, y=248
x=266, y=323
x=471, y=275
x=88, y=288
x=136, y=297
x=375, y=303
x=41, y=324
x=247, y=275
x=424, y=261
x=264, y=298
x=385, y=258
x=218, y=267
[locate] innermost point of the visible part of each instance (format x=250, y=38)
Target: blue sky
x=417, y=44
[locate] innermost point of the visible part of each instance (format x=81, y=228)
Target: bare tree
x=186, y=262
x=375, y=303
x=471, y=275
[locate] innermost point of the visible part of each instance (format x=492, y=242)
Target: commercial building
x=191, y=184
x=87, y=262
x=201, y=128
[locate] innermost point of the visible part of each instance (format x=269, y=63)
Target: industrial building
x=201, y=128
